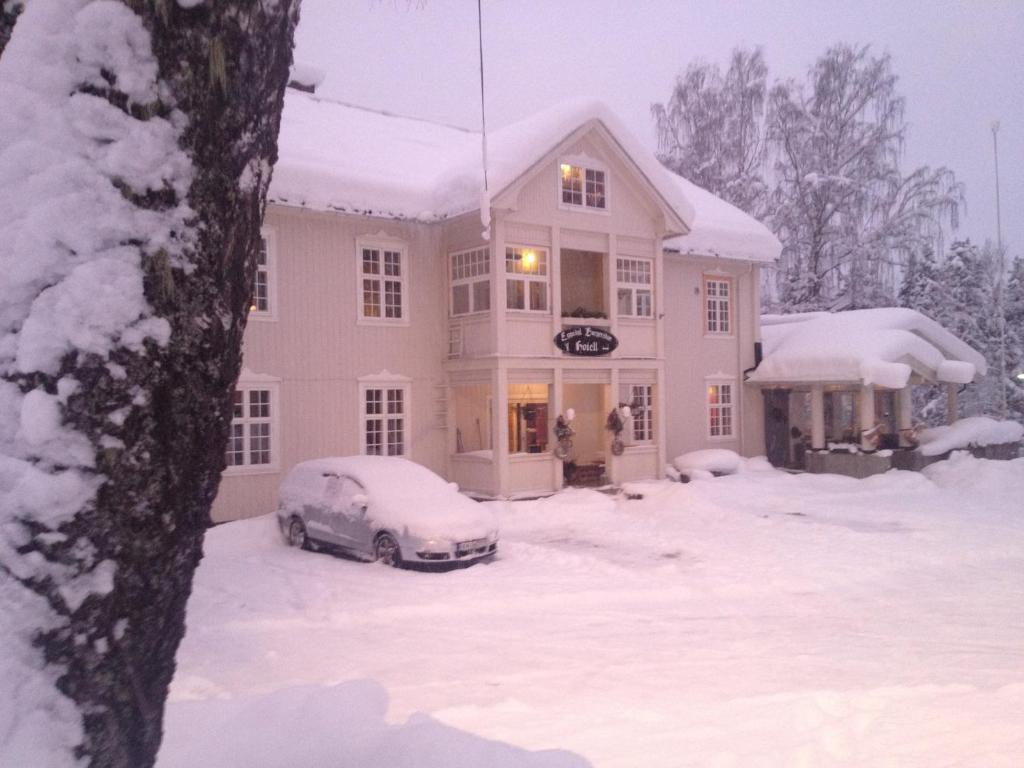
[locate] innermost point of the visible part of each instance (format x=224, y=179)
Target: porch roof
x=868, y=346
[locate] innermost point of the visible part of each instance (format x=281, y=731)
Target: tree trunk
x=156, y=418
x=9, y=12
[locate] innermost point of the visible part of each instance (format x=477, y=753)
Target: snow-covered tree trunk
x=136, y=142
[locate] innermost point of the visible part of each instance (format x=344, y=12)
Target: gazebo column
x=867, y=417
x=817, y=417
x=904, y=415
x=951, y=408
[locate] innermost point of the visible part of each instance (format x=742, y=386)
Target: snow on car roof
x=340, y=157
x=402, y=493
x=870, y=346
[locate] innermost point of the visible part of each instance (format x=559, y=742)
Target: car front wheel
x=387, y=551
x=297, y=534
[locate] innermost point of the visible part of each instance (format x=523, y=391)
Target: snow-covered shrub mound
x=975, y=430
x=705, y=463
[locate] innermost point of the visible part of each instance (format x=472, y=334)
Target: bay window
x=526, y=279
x=635, y=294
x=470, y=281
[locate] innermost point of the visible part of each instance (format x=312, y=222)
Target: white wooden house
x=387, y=319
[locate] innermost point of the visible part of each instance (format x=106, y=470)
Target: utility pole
x=1002, y=278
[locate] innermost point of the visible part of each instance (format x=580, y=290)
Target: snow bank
x=975, y=430
x=720, y=460
x=341, y=725
x=864, y=346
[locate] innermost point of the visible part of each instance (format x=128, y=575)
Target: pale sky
x=960, y=64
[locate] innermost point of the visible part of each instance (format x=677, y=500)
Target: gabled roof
x=335, y=156
x=867, y=346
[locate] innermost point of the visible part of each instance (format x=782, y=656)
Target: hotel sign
x=586, y=340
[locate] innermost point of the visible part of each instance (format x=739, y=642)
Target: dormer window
x=583, y=186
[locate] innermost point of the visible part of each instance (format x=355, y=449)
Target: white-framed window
x=720, y=412
x=263, y=304
x=252, y=439
x=382, y=282
x=384, y=418
x=470, y=281
x=454, y=341
x=640, y=399
x=526, y=279
x=717, y=305
x=635, y=278
x=582, y=185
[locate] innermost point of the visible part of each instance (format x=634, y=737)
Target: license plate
x=464, y=546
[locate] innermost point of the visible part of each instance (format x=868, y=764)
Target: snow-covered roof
x=721, y=229
x=339, y=157
x=869, y=346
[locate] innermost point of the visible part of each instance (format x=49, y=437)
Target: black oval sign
x=585, y=340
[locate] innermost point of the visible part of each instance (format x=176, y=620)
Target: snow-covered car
x=383, y=508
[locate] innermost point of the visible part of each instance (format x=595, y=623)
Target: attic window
x=582, y=186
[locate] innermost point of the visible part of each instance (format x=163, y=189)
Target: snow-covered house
x=845, y=380
x=388, y=319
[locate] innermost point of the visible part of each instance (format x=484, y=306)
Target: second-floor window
x=526, y=279
x=717, y=305
x=635, y=294
x=586, y=187
x=382, y=283
x=471, y=281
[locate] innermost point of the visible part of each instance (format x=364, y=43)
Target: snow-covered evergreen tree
x=136, y=142
x=1013, y=302
x=711, y=129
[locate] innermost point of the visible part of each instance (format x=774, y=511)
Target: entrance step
x=586, y=476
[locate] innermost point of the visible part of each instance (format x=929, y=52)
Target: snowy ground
x=761, y=619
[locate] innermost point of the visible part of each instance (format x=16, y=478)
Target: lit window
x=528, y=418
x=635, y=296
x=250, y=440
x=720, y=422
x=471, y=281
x=526, y=279
x=263, y=299
x=640, y=399
x=382, y=279
x=385, y=420
x=585, y=187
x=717, y=303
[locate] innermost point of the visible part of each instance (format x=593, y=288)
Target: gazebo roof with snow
x=881, y=347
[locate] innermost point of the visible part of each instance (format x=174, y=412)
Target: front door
x=776, y=426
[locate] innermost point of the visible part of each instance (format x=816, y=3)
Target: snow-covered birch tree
x=710, y=130
x=847, y=216
x=136, y=144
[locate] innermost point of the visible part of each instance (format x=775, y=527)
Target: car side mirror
x=360, y=502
